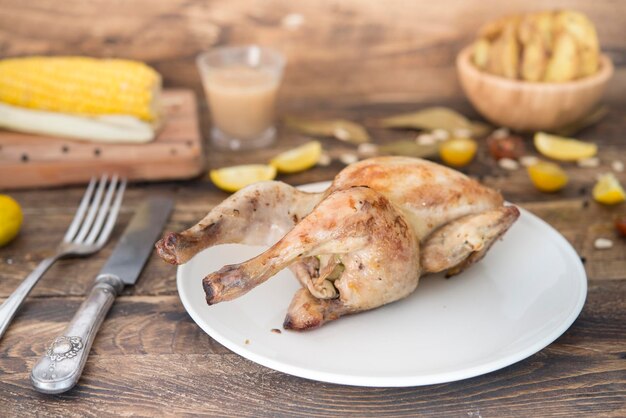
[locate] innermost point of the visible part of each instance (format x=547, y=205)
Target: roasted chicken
x=362, y=243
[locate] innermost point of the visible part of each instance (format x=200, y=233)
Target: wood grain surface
x=363, y=50
x=150, y=358
x=355, y=59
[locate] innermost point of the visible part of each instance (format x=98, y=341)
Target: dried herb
x=429, y=119
x=409, y=148
x=433, y=118
x=342, y=129
x=590, y=119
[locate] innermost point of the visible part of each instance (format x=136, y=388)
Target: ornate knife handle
x=61, y=366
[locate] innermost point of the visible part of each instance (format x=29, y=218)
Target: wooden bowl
x=527, y=106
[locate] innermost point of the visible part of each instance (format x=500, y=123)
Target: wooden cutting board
x=28, y=161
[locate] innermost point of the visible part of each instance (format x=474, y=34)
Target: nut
x=617, y=166
x=528, y=160
x=367, y=150
x=324, y=160
x=425, y=139
x=588, y=162
x=603, y=244
x=462, y=133
x=500, y=133
x=508, y=164
x=342, y=134
x=348, y=158
x=440, y=134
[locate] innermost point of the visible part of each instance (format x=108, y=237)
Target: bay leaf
x=342, y=129
x=591, y=118
x=480, y=129
x=409, y=148
x=429, y=119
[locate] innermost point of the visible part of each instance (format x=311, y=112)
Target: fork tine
x=71, y=230
x=104, y=208
x=91, y=214
x=110, y=223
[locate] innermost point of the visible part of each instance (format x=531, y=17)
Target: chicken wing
x=254, y=216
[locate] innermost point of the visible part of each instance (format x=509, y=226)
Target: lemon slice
x=231, y=179
x=458, y=152
x=608, y=190
x=10, y=219
x=298, y=159
x=564, y=149
x=547, y=177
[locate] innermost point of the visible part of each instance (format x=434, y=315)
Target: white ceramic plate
x=523, y=295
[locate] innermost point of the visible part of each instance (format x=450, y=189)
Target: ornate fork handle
x=12, y=304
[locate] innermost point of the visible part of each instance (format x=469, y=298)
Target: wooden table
x=361, y=62
x=150, y=357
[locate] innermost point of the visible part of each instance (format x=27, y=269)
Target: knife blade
x=60, y=367
x=137, y=242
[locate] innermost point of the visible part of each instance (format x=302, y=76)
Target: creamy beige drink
x=240, y=85
x=242, y=100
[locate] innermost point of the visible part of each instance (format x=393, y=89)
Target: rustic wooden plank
x=159, y=325
x=190, y=373
x=548, y=384
x=136, y=325
x=376, y=51
x=582, y=222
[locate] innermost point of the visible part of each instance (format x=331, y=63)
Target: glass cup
x=240, y=84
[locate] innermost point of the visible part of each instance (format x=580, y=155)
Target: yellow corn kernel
x=81, y=85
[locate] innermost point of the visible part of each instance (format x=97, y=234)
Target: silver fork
x=88, y=232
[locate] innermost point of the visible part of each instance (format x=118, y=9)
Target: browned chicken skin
x=361, y=244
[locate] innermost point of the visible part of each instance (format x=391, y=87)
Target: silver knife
x=61, y=366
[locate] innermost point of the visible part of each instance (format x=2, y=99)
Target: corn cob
x=81, y=86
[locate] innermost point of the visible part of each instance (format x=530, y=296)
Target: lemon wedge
x=10, y=219
x=608, y=190
x=458, y=152
x=231, y=179
x=298, y=159
x=564, y=149
x=547, y=177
